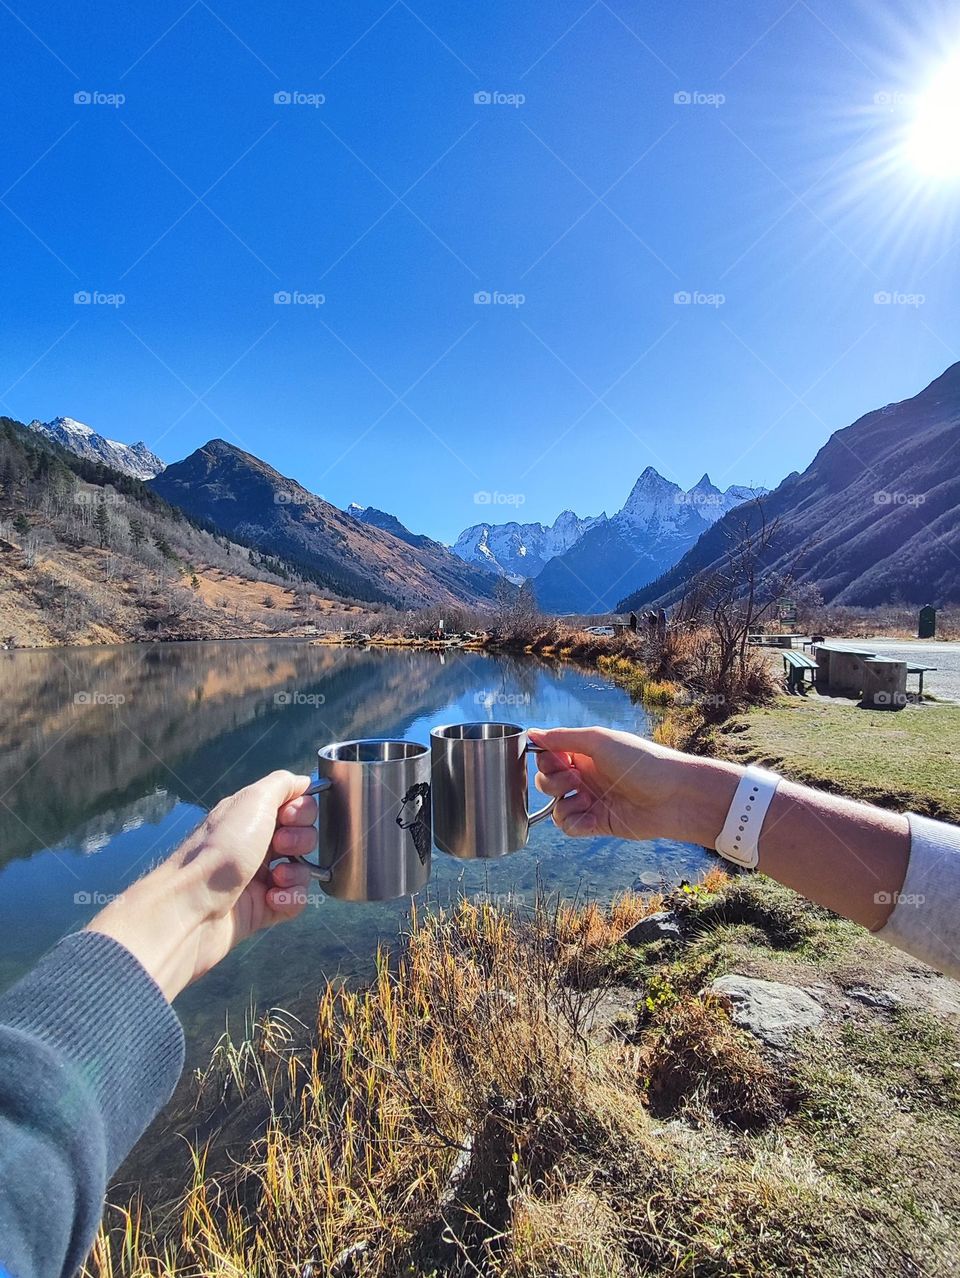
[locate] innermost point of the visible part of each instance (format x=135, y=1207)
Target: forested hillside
x=90, y=555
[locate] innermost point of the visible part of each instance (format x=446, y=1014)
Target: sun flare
x=933, y=141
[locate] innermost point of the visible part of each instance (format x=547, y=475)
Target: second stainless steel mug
x=479, y=789
x=374, y=824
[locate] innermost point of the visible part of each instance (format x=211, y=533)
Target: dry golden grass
x=463, y=1117
x=695, y=1061
x=425, y=1107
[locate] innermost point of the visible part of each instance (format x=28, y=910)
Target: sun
x=932, y=144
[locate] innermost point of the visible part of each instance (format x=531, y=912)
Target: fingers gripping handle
x=544, y=812
x=317, y=872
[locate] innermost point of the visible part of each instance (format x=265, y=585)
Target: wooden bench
x=796, y=666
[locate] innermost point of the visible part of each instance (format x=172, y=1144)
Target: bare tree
x=734, y=600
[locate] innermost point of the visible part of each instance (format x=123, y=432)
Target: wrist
x=700, y=798
x=160, y=920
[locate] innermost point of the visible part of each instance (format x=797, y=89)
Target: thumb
x=566, y=740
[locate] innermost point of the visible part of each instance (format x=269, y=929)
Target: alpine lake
x=111, y=755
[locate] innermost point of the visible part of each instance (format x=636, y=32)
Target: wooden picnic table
x=921, y=671
x=774, y=640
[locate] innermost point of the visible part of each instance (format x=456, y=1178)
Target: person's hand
x=220, y=885
x=630, y=788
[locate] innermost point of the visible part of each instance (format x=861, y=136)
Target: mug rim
x=416, y=750
x=441, y=731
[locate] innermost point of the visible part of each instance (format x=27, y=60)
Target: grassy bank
x=904, y=759
x=528, y=1094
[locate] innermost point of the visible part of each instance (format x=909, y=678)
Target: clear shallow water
x=109, y=756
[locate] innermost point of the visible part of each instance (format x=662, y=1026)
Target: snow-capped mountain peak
x=650, y=497
x=135, y=460
x=520, y=550
x=71, y=426
x=657, y=524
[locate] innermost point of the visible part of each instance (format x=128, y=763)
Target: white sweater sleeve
x=925, y=921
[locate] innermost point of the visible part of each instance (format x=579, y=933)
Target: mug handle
x=317, y=872
x=534, y=817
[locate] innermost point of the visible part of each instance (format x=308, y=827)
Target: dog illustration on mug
x=414, y=815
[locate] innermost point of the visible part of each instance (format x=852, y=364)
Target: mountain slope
x=658, y=523
x=244, y=496
x=389, y=523
x=89, y=555
x=520, y=550
x=135, y=460
x=874, y=518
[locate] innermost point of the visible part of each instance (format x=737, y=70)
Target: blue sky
x=746, y=152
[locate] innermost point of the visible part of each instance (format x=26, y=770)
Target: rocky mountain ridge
x=135, y=460
x=874, y=518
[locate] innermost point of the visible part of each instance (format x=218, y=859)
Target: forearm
x=159, y=921
x=847, y=856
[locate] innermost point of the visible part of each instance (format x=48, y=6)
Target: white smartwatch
x=739, y=839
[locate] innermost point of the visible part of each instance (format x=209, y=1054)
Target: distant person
x=90, y=1049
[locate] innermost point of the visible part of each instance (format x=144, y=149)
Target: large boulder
x=773, y=1011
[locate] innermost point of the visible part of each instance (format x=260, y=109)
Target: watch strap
x=739, y=839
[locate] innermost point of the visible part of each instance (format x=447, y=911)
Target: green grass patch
x=908, y=758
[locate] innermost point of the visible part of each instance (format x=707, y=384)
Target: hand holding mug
x=222, y=884
x=626, y=787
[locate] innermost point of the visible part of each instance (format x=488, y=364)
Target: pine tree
x=195, y=582
x=101, y=521
x=21, y=525
x=137, y=533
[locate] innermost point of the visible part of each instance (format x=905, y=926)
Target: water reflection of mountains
x=96, y=738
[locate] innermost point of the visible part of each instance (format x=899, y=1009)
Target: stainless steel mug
x=479, y=789
x=374, y=824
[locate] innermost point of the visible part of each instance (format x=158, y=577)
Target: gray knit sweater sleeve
x=90, y=1050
